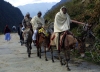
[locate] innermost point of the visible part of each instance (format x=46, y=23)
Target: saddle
x=62, y=38
x=43, y=31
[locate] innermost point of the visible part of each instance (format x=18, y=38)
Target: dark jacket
x=7, y=30
x=18, y=30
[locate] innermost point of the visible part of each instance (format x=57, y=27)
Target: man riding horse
x=61, y=24
x=63, y=39
x=26, y=20
x=37, y=22
x=26, y=23
x=27, y=33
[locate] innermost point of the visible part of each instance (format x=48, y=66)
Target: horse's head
x=27, y=36
x=75, y=43
x=80, y=46
x=43, y=37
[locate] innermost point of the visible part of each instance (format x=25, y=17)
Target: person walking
x=7, y=32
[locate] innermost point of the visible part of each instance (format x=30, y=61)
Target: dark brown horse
x=70, y=42
x=42, y=41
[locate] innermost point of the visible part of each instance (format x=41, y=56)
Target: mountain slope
x=54, y=10
x=9, y=15
x=81, y=11
x=34, y=8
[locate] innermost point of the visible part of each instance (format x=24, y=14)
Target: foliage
x=81, y=11
x=97, y=30
x=87, y=11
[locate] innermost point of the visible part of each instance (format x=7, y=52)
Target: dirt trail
x=13, y=58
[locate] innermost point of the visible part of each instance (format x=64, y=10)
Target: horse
x=69, y=42
x=27, y=35
x=42, y=40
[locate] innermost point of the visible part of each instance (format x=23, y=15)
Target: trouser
x=34, y=34
x=21, y=37
x=57, y=40
x=58, y=34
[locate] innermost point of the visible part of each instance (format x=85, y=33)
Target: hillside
x=80, y=10
x=9, y=15
x=34, y=8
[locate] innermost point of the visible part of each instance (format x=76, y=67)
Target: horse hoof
x=62, y=64
x=29, y=56
x=53, y=61
x=46, y=59
x=68, y=69
x=37, y=55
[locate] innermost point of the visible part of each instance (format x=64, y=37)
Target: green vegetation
x=89, y=11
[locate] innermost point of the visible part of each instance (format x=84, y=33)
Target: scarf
x=36, y=22
x=62, y=22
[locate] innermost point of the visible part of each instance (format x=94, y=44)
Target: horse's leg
x=40, y=51
x=60, y=57
x=29, y=54
x=67, y=56
x=52, y=53
x=28, y=49
x=45, y=54
x=30, y=46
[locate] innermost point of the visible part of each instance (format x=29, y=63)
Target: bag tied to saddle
x=42, y=30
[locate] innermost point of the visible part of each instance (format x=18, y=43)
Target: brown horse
x=42, y=40
x=27, y=35
x=69, y=43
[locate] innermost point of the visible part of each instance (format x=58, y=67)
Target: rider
x=37, y=22
x=61, y=24
x=26, y=23
x=26, y=20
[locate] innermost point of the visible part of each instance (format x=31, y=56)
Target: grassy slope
x=80, y=11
